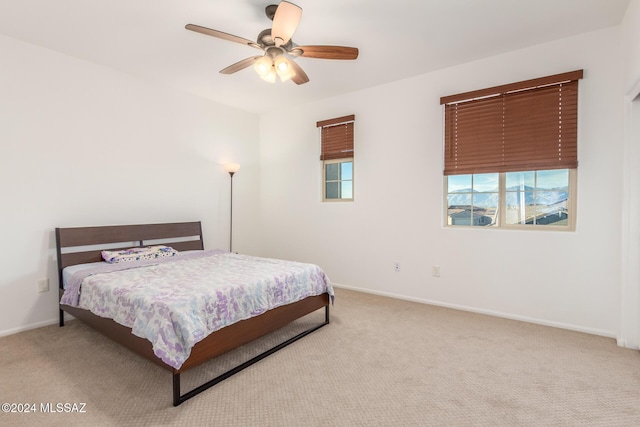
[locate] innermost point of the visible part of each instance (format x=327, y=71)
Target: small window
x=337, y=158
x=338, y=179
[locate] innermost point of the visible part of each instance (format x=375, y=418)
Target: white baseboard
x=35, y=325
x=28, y=327
x=592, y=331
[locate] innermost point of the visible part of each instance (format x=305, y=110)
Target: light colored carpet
x=381, y=362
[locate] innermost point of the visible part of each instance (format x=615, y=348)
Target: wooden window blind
x=337, y=137
x=530, y=125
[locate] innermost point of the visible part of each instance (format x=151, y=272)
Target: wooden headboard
x=79, y=245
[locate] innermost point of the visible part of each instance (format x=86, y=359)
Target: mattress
x=176, y=302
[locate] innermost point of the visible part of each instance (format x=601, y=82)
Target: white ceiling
x=397, y=39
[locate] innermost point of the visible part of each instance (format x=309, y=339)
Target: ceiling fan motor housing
x=265, y=41
x=270, y=11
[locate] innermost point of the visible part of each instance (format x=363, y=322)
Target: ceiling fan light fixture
x=282, y=65
x=263, y=66
x=270, y=76
x=284, y=78
x=284, y=68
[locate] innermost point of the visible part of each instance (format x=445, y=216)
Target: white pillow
x=138, y=254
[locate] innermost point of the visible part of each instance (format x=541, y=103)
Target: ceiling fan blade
x=300, y=77
x=221, y=35
x=240, y=65
x=285, y=22
x=325, y=52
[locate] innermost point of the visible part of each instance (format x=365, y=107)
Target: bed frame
x=84, y=244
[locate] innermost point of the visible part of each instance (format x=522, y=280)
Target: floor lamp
x=232, y=168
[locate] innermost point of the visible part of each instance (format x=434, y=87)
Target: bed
x=80, y=249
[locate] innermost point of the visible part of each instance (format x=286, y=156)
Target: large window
x=337, y=158
x=511, y=154
x=512, y=199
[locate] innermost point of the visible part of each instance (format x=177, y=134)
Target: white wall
x=82, y=145
x=630, y=239
x=630, y=29
x=568, y=279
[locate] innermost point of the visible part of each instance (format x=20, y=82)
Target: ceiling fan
x=279, y=49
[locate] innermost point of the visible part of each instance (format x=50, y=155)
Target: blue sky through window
x=483, y=182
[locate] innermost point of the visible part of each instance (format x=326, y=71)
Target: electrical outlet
x=396, y=267
x=43, y=285
x=435, y=271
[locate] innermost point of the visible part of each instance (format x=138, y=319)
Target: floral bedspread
x=176, y=302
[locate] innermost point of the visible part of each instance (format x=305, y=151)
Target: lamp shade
x=270, y=76
x=283, y=68
x=263, y=66
x=232, y=167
